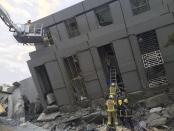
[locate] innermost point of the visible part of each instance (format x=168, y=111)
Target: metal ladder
x=113, y=75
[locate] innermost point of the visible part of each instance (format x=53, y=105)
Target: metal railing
x=33, y=29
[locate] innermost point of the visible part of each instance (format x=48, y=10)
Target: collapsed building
x=89, y=38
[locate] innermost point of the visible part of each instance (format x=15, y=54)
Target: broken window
x=109, y=63
x=49, y=37
x=139, y=6
x=152, y=59
x=44, y=81
x=74, y=72
x=103, y=15
x=72, y=27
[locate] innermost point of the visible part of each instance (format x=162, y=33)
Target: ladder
x=113, y=75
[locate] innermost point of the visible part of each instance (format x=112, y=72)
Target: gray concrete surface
x=28, y=89
x=122, y=34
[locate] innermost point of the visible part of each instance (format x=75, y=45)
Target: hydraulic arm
x=24, y=33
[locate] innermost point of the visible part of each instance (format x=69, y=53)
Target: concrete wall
x=28, y=89
x=127, y=65
x=122, y=34
x=47, y=57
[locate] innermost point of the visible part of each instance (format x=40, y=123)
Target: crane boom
x=25, y=33
x=7, y=20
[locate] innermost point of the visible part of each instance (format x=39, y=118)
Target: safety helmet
x=125, y=100
x=112, y=84
x=111, y=97
x=120, y=102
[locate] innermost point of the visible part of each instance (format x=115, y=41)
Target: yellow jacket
x=112, y=90
x=110, y=105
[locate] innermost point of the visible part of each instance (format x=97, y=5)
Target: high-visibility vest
x=110, y=105
x=112, y=90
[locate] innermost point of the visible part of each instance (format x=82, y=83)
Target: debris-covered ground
x=151, y=114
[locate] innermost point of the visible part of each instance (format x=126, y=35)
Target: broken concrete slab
x=152, y=117
x=51, y=98
x=28, y=127
x=155, y=101
x=51, y=109
x=156, y=110
x=72, y=118
x=166, y=114
x=156, y=120
x=8, y=89
x=170, y=110
x=48, y=117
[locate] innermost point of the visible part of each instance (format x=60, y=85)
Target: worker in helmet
x=27, y=27
x=120, y=112
x=127, y=114
x=110, y=103
x=113, y=89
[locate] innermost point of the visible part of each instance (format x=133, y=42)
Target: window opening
x=152, y=59
x=72, y=27
x=139, y=6
x=77, y=81
x=103, y=15
x=109, y=61
x=45, y=83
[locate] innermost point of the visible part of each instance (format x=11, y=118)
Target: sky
x=13, y=56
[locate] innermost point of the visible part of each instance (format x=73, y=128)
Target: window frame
x=134, y=8
x=101, y=9
x=72, y=33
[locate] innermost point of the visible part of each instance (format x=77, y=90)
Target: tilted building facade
x=90, y=37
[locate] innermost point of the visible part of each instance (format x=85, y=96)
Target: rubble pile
x=151, y=114
x=157, y=116
x=155, y=112
x=80, y=120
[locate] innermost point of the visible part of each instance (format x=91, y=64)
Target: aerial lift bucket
x=30, y=34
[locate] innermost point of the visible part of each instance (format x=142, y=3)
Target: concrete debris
x=155, y=110
x=154, y=116
x=157, y=122
x=8, y=89
x=90, y=127
x=51, y=109
x=29, y=127
x=143, y=124
x=170, y=110
x=23, y=127
x=51, y=99
x=157, y=100
x=16, y=106
x=48, y=117
x=119, y=128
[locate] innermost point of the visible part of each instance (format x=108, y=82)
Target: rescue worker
x=112, y=89
x=127, y=115
x=27, y=26
x=29, y=22
x=120, y=112
x=110, y=103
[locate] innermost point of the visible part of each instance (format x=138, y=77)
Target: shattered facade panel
x=121, y=31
